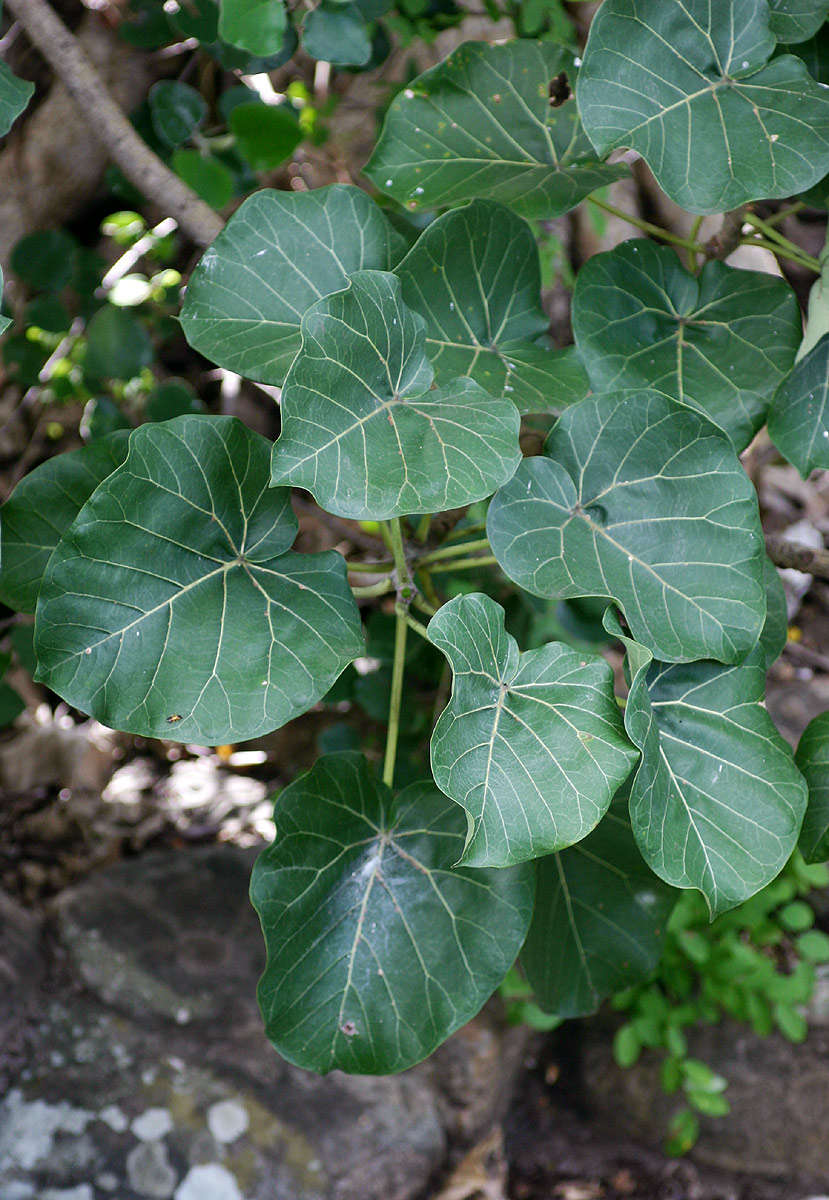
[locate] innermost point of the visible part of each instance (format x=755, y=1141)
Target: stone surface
x=778, y=1094
x=152, y=1078
x=22, y=966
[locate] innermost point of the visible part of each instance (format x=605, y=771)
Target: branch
x=798, y=557
x=142, y=167
x=727, y=237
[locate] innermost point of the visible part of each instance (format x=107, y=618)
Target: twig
x=727, y=237
x=796, y=556
x=142, y=167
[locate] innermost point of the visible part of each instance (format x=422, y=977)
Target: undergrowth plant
x=558, y=821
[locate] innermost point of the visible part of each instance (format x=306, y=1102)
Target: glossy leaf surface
x=405, y=948
x=258, y=26
x=797, y=20
x=813, y=760
x=172, y=607
x=15, y=94
x=799, y=417
x=362, y=428
x=532, y=745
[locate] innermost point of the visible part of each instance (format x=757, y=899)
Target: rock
x=157, y=1080
x=22, y=966
x=777, y=1093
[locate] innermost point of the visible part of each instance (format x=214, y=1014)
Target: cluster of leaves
x=558, y=820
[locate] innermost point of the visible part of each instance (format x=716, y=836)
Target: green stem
x=369, y=568
x=805, y=261
x=417, y=627
x=425, y=605
x=465, y=564
x=401, y=567
x=374, y=589
x=452, y=551
x=422, y=531
x=788, y=247
x=694, y=234
x=648, y=226
x=462, y=532
x=396, y=695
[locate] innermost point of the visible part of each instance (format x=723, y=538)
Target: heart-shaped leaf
x=42, y=507
x=599, y=920
x=363, y=430
x=474, y=276
x=799, y=417
x=171, y=609
x=797, y=20
x=337, y=33
x=484, y=123
x=177, y=110
x=258, y=26
x=532, y=745
x=278, y=254
x=689, y=85
x=643, y=500
x=717, y=801
x=377, y=948
x=15, y=94
x=720, y=341
x=812, y=758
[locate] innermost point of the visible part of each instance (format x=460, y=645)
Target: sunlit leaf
x=258, y=26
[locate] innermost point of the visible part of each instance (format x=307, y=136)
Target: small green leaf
x=796, y=917
x=797, y=20
x=599, y=920
x=363, y=430
x=689, y=82
x=117, y=345
x=482, y=124
x=15, y=94
x=799, y=417
x=626, y=1046
x=172, y=608
x=45, y=260
x=720, y=341
x=278, y=254
x=377, y=949
x=177, y=110
x=812, y=758
x=532, y=745
x=708, y=1103
x=474, y=276
x=717, y=802
x=813, y=946
x=208, y=177
x=337, y=33
x=642, y=499
x=42, y=507
x=258, y=26
x=172, y=398
x=265, y=134
x=791, y=1023
x=683, y=1131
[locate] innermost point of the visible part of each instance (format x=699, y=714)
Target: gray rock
x=22, y=966
x=777, y=1091
x=157, y=1080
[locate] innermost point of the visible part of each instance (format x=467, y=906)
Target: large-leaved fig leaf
x=799, y=416
x=15, y=94
x=484, y=123
x=692, y=85
x=475, y=277
x=279, y=253
x=643, y=500
x=599, y=920
x=42, y=507
x=797, y=20
x=717, y=802
x=720, y=341
x=776, y=628
x=172, y=606
x=377, y=949
x=812, y=758
x=363, y=429
x=531, y=745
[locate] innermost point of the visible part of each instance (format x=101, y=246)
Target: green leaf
x=717, y=802
x=208, y=177
x=643, y=500
x=474, y=276
x=258, y=26
x=791, y=1023
x=265, y=134
x=172, y=398
x=363, y=430
x=720, y=341
x=626, y=1046
x=337, y=33
x=171, y=608
x=117, y=345
x=683, y=1131
x=799, y=417
x=812, y=758
x=481, y=124
x=277, y=255
x=377, y=948
x=15, y=94
x=532, y=745
x=42, y=507
x=599, y=920
x=45, y=260
x=813, y=946
x=796, y=917
x=797, y=20
x=688, y=82
x=5, y=322
x=176, y=110
x=776, y=629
